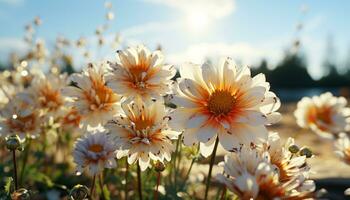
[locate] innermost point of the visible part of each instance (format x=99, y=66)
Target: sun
x=197, y=21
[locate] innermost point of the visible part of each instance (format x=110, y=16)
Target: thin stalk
x=25, y=160
x=223, y=194
x=92, y=186
x=212, y=159
x=158, y=182
x=101, y=183
x=15, y=168
x=139, y=181
x=175, y=156
x=191, y=165
x=126, y=179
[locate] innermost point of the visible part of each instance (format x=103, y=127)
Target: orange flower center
x=221, y=102
x=103, y=97
x=270, y=190
x=323, y=114
x=50, y=98
x=72, y=117
x=22, y=124
x=96, y=148
x=142, y=123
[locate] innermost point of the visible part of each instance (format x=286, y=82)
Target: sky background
x=192, y=30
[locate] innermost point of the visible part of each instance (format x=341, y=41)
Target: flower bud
x=21, y=194
x=293, y=148
x=306, y=152
x=79, y=192
x=159, y=166
x=13, y=142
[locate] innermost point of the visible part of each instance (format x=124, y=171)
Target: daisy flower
x=46, y=90
x=225, y=102
x=94, y=152
x=140, y=73
x=19, y=116
x=343, y=147
x=326, y=114
x=142, y=133
x=289, y=165
x=90, y=96
x=249, y=174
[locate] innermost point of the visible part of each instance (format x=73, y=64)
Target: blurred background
x=303, y=47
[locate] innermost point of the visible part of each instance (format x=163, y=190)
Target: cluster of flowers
x=328, y=117
x=121, y=110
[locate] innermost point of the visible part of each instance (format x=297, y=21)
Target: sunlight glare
x=197, y=21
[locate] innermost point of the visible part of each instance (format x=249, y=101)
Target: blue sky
x=192, y=30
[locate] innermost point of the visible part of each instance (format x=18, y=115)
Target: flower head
x=46, y=91
x=142, y=133
x=140, y=73
x=91, y=97
x=343, y=147
x=289, y=165
x=94, y=152
x=326, y=115
x=250, y=175
x=19, y=116
x=225, y=102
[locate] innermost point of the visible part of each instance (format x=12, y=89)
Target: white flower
x=250, y=175
x=342, y=145
x=19, y=116
x=225, y=102
x=140, y=73
x=289, y=165
x=326, y=115
x=94, y=152
x=142, y=133
x=91, y=97
x=46, y=91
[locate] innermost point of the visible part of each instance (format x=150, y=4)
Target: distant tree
x=291, y=72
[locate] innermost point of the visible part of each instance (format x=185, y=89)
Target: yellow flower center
x=96, y=148
x=221, y=102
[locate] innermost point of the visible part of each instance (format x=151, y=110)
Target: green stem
x=25, y=160
x=92, y=187
x=223, y=194
x=212, y=159
x=126, y=178
x=139, y=184
x=14, y=168
x=175, y=156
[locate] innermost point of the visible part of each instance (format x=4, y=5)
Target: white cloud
x=11, y=44
x=213, y=8
x=150, y=27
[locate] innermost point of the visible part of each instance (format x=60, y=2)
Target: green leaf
x=9, y=185
x=106, y=194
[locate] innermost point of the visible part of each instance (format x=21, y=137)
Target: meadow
x=137, y=127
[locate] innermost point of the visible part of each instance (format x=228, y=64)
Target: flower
x=91, y=97
x=326, y=115
x=342, y=145
x=289, y=165
x=71, y=119
x=95, y=151
x=224, y=102
x=46, y=91
x=249, y=174
x=19, y=116
x=142, y=133
x=138, y=73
